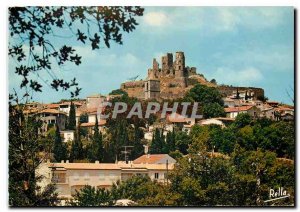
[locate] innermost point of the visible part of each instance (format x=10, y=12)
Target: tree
x=59, y=149
x=227, y=141
x=182, y=142
x=262, y=98
x=144, y=192
x=72, y=117
x=118, y=92
x=242, y=120
x=205, y=95
x=33, y=32
x=278, y=137
x=212, y=110
x=37, y=27
x=213, y=81
x=91, y=196
x=77, y=152
x=96, y=151
x=170, y=142
x=158, y=142
x=23, y=161
x=84, y=118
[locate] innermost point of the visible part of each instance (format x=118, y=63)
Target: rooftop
x=150, y=159
x=237, y=109
x=53, y=111
x=107, y=166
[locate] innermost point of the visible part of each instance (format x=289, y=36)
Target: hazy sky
x=244, y=46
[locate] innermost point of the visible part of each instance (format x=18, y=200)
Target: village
x=161, y=106
x=70, y=177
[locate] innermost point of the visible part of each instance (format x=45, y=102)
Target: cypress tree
x=95, y=151
x=24, y=158
x=170, y=142
x=72, y=117
x=59, y=149
x=158, y=142
x=77, y=148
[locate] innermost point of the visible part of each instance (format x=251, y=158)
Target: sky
x=240, y=46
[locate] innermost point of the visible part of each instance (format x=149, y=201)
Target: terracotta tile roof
x=149, y=166
x=151, y=159
x=285, y=108
x=68, y=103
x=52, y=106
x=52, y=111
x=237, y=109
x=91, y=124
x=109, y=166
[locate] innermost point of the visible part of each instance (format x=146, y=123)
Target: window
x=156, y=175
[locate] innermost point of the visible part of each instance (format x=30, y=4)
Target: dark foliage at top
x=36, y=28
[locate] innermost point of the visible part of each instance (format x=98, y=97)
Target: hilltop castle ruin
x=172, y=80
x=168, y=81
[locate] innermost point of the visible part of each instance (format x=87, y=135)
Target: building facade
x=69, y=177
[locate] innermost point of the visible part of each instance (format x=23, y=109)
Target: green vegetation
x=233, y=166
x=77, y=151
x=24, y=147
x=60, y=148
x=95, y=149
x=209, y=98
x=72, y=117
x=118, y=92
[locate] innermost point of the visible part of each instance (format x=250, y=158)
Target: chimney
x=97, y=161
x=62, y=161
x=67, y=161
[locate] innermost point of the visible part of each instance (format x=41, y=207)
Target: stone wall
x=176, y=79
x=228, y=90
x=134, y=88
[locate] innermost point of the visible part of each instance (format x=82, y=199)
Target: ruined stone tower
x=179, y=64
x=152, y=89
x=167, y=64
x=171, y=79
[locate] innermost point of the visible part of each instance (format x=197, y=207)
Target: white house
x=69, y=177
x=232, y=112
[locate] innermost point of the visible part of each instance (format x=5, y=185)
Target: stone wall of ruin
x=228, y=90
x=134, y=89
